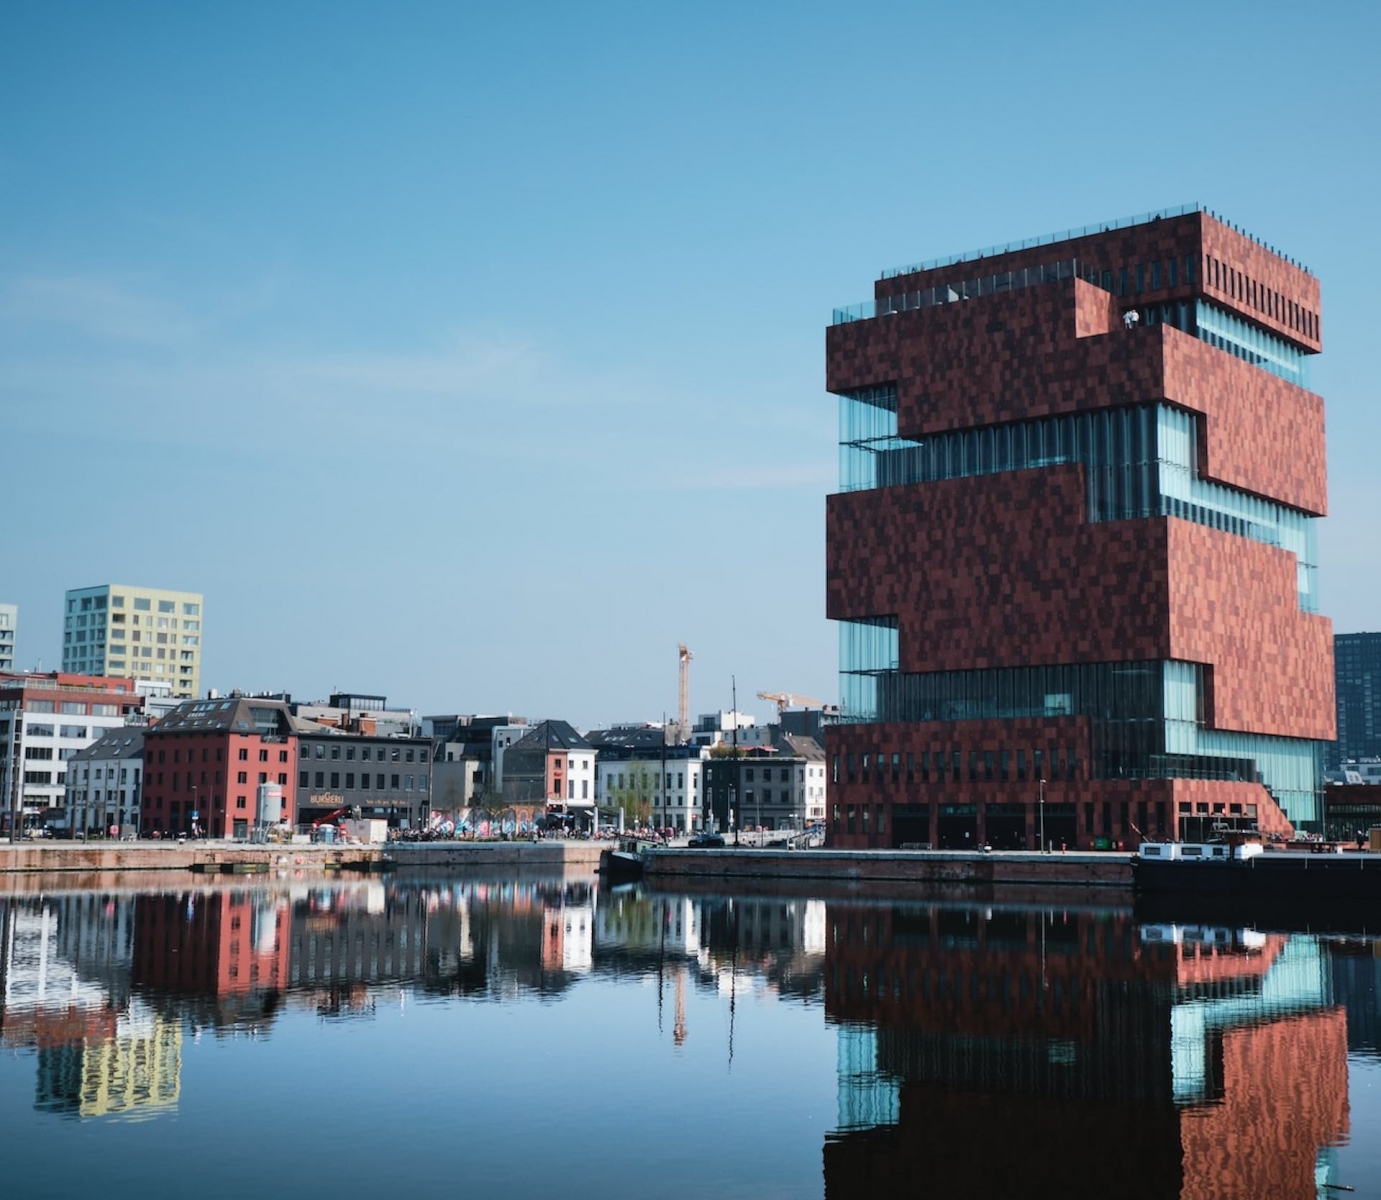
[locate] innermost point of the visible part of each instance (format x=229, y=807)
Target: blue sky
x=474, y=353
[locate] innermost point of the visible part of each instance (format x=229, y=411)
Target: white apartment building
x=9, y=622
x=137, y=633
x=44, y=721
x=671, y=788
x=717, y=729
x=104, y=782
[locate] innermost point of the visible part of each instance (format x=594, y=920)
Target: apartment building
x=210, y=767
x=664, y=783
x=9, y=622
x=776, y=788
x=135, y=632
x=45, y=719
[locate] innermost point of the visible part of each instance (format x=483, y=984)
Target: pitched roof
x=125, y=742
x=233, y=714
x=550, y=735
x=801, y=746
x=638, y=737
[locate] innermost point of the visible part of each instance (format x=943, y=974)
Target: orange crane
x=784, y=700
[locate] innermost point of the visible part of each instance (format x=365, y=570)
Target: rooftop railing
x=1066, y=235
x=948, y=293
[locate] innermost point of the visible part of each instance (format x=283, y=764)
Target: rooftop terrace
x=1065, y=235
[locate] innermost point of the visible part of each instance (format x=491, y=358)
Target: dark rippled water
x=533, y=1037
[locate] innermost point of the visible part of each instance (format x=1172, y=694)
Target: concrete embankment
x=554, y=855
x=102, y=857
x=932, y=867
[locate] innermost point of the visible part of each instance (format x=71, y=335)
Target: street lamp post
x=1044, y=847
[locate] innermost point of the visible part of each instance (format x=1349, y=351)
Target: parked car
x=706, y=841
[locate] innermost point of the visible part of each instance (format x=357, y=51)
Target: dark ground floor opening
x=910, y=825
x=957, y=827
x=1005, y=826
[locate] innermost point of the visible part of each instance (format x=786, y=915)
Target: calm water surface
x=536, y=1036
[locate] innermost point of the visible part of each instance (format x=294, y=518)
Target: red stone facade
x=215, y=774
x=999, y=571
x=1062, y=348
x=1229, y=268
x=1007, y=570
x=940, y=556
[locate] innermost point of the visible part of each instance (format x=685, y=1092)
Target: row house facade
x=776, y=788
x=665, y=781
x=552, y=765
x=105, y=783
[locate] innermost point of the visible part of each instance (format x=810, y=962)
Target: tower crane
x=784, y=700
x=683, y=690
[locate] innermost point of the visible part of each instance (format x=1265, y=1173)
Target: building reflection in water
x=102, y=986
x=981, y=1050
x=65, y=965
x=992, y=1052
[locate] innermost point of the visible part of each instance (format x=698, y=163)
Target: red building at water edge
x=205, y=763
x=1073, y=551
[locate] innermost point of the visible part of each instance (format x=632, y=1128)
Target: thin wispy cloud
x=471, y=363
x=97, y=308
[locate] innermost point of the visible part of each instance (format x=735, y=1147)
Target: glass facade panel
x=868, y=650
x=1140, y=461
x=1218, y=327
x=1221, y=328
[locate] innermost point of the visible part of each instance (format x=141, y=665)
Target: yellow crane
x=683, y=692
x=784, y=700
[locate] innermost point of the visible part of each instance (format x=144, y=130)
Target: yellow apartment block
x=147, y=634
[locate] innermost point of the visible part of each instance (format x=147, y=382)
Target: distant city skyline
x=472, y=357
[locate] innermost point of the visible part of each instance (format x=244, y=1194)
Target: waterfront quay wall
x=93, y=857
x=959, y=867
x=187, y=856
x=556, y=855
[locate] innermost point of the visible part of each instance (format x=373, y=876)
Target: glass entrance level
x=1147, y=719
x=822, y=1045
x=1140, y=461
